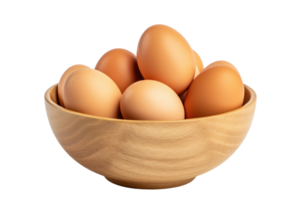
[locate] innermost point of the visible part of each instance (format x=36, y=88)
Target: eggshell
x=215, y=90
x=63, y=80
x=183, y=95
x=199, y=63
x=151, y=100
x=164, y=55
x=222, y=63
x=121, y=66
x=92, y=92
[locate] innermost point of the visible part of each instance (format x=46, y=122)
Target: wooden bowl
x=149, y=154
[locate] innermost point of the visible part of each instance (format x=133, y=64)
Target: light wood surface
x=149, y=154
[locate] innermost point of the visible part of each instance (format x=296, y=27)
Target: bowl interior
x=53, y=94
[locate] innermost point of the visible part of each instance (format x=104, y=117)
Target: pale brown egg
x=164, y=55
x=215, y=90
x=63, y=80
x=92, y=92
x=121, y=66
x=151, y=100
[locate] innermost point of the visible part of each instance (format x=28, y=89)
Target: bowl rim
x=48, y=99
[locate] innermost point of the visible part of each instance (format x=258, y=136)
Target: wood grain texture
x=149, y=154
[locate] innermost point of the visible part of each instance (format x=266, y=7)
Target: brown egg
x=121, y=66
x=164, y=55
x=63, y=80
x=215, y=90
x=151, y=100
x=92, y=92
x=222, y=63
x=183, y=95
x=198, y=60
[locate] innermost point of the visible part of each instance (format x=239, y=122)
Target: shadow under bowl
x=149, y=154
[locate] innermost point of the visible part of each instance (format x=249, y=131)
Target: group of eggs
x=164, y=81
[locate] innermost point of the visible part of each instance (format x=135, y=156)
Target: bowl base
x=141, y=185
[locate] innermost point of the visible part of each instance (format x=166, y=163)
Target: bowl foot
x=141, y=185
